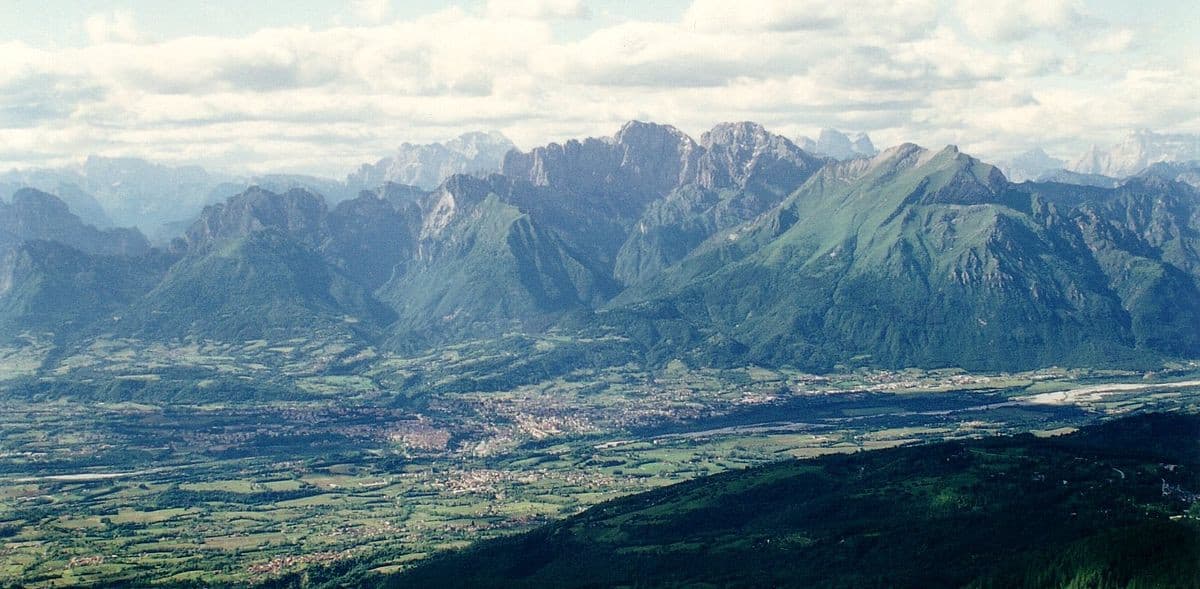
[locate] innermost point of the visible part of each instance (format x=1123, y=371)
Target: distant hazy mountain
x=160, y=200
x=66, y=188
x=739, y=248
x=1069, y=177
x=60, y=275
x=139, y=193
x=427, y=165
x=334, y=191
x=163, y=200
x=127, y=192
x=837, y=145
x=1186, y=172
x=1030, y=165
x=35, y=215
x=1136, y=152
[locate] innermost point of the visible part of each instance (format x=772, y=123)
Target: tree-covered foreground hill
x=1113, y=505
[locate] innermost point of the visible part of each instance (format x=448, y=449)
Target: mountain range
x=1133, y=155
x=737, y=248
x=124, y=191
x=162, y=200
x=1136, y=152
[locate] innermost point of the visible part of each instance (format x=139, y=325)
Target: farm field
x=254, y=491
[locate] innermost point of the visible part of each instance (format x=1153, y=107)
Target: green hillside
x=917, y=258
x=49, y=287
x=480, y=263
x=262, y=285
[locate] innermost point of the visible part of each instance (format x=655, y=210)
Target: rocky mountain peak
x=745, y=134
x=736, y=152
x=467, y=189
x=476, y=145
x=641, y=161
x=459, y=193
x=657, y=156
x=950, y=175
x=899, y=156
x=639, y=133
x=835, y=144
x=957, y=178
x=861, y=144
x=297, y=212
x=838, y=145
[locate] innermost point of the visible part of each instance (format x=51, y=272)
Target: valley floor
x=100, y=490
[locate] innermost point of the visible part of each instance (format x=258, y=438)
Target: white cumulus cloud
x=1013, y=20
x=323, y=100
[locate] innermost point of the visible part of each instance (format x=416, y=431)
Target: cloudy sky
x=320, y=86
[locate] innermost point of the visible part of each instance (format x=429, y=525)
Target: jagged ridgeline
x=738, y=248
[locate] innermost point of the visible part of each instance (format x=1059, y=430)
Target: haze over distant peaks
x=835, y=144
x=1174, y=155
x=1061, y=176
x=162, y=200
x=427, y=165
x=1136, y=152
x=1030, y=165
x=123, y=191
x=36, y=215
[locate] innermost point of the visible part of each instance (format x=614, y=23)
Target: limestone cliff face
x=639, y=162
x=736, y=154
x=651, y=160
x=298, y=213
